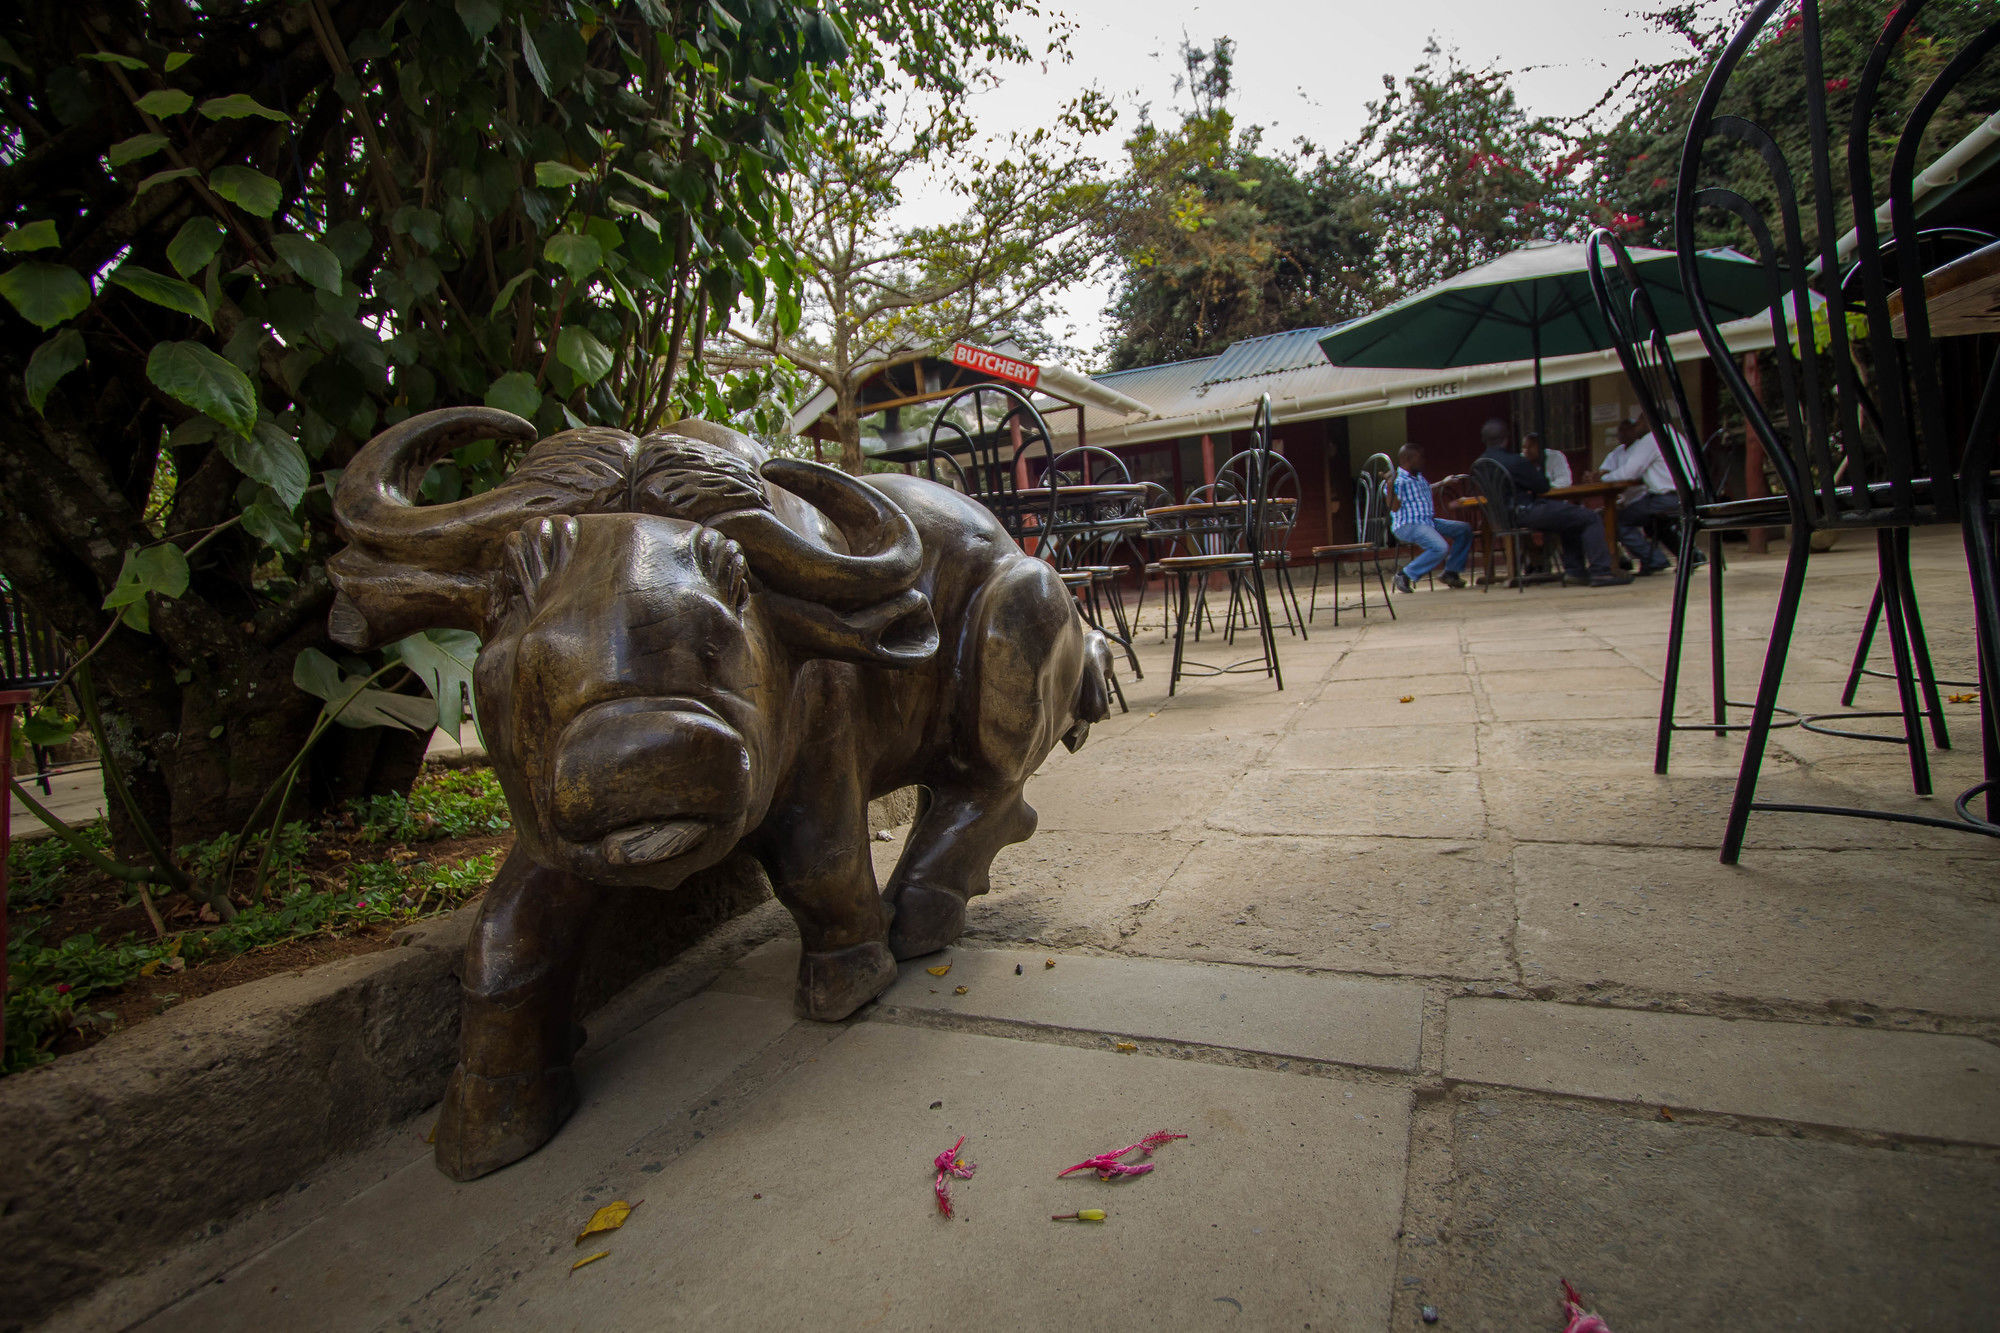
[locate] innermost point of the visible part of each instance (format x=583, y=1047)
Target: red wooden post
x=9, y=700
x=1758, y=539
x=1208, y=460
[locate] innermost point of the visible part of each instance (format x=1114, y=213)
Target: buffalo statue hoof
x=927, y=919
x=488, y=1123
x=834, y=984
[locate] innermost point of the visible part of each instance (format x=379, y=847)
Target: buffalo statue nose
x=647, y=779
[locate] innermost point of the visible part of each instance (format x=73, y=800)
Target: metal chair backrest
x=978, y=444
x=1502, y=497
x=1848, y=452
x=1373, y=520
x=1076, y=533
x=1281, y=500
x=1641, y=342
x=32, y=654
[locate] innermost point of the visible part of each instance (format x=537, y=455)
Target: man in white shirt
x=1554, y=462
x=1652, y=495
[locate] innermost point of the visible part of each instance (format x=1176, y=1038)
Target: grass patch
x=352, y=874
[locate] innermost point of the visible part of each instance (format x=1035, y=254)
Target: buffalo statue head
x=645, y=606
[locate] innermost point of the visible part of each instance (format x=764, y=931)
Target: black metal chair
x=1081, y=536
x=32, y=657
x=1859, y=443
x=979, y=444
x=1229, y=539
x=1281, y=514
x=1371, y=525
x=1500, y=504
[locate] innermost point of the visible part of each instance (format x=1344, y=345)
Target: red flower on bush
x=1626, y=222
x=1836, y=85
x=62, y=988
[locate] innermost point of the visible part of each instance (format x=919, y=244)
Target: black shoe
x=1698, y=561
x=1609, y=580
x=1644, y=570
x=1402, y=583
x=1451, y=580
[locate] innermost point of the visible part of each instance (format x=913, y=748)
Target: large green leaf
x=194, y=245
x=443, y=659
x=310, y=260
x=162, y=290
x=479, y=16
x=555, y=175
x=162, y=177
x=583, y=353
x=206, y=382
x=515, y=392
x=251, y=191
x=238, y=106
x=160, y=569
x=271, y=456
x=274, y=527
x=164, y=102
x=578, y=255
x=352, y=702
x=134, y=148
x=39, y=235
x=45, y=294
x=52, y=360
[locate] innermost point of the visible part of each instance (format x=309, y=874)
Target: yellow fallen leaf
x=959, y=991
x=590, y=1259
x=148, y=969
x=1408, y=698
x=432, y=1137
x=938, y=971
x=608, y=1218
x=1962, y=698
x=1128, y=1045
x=1048, y=963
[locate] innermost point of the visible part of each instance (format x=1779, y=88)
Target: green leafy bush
x=37, y=868
x=453, y=803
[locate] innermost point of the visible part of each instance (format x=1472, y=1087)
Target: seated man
x=1585, y=553
x=1653, y=495
x=1554, y=463
x=1413, y=518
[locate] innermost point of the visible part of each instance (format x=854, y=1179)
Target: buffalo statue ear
x=899, y=632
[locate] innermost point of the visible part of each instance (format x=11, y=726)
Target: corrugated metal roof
x=1270, y=354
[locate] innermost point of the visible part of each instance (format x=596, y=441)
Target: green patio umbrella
x=1532, y=303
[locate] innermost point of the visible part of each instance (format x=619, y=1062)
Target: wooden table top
x=1584, y=490
x=1960, y=297
x=1213, y=506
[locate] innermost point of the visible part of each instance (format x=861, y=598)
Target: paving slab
x=1387, y=802
x=1443, y=659
x=1685, y=809
x=1062, y=889
x=1910, y=1083
x=1670, y=1227
x=365, y=1260
x=1232, y=1225
x=1390, y=689
x=1077, y=794
x=1372, y=747
x=1384, y=906
x=1342, y=1020
x=1559, y=750
x=1517, y=705
x=1451, y=711
x=1870, y=928
x=1517, y=657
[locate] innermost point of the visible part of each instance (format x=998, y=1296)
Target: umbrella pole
x=1541, y=404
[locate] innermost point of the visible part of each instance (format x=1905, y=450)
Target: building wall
x=1448, y=432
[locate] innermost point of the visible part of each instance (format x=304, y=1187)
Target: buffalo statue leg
x=1030, y=678
x=815, y=847
x=513, y=1087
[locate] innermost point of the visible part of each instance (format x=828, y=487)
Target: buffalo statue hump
x=692, y=650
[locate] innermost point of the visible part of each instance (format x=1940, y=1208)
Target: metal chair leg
x=1383, y=583
x=1180, y=636
x=1894, y=614
x=1676, y=627
x=1718, y=675
x=1920, y=648
x=1775, y=653
x=1862, y=648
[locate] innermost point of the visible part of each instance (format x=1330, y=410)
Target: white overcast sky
x=1308, y=69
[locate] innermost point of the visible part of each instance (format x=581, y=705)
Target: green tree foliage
x=1636, y=163
x=243, y=237
x=1217, y=241
x=878, y=294
x=1463, y=174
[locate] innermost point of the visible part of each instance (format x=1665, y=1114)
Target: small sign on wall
x=1603, y=413
x=1000, y=366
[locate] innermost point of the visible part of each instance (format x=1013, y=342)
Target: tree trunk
x=847, y=426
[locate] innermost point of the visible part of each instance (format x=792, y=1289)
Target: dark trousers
x=1632, y=520
x=1585, y=554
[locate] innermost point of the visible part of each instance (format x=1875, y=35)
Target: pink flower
x=62, y=988
x=947, y=1165
x=1836, y=85
x=1107, y=1165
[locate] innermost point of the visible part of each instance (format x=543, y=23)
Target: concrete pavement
x=1450, y=995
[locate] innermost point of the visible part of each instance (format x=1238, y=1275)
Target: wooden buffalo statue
x=691, y=648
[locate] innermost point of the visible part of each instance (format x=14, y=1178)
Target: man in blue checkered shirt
x=1413, y=518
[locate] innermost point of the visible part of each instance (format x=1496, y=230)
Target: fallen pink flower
x=947, y=1165
x=1580, y=1320
x=1107, y=1164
